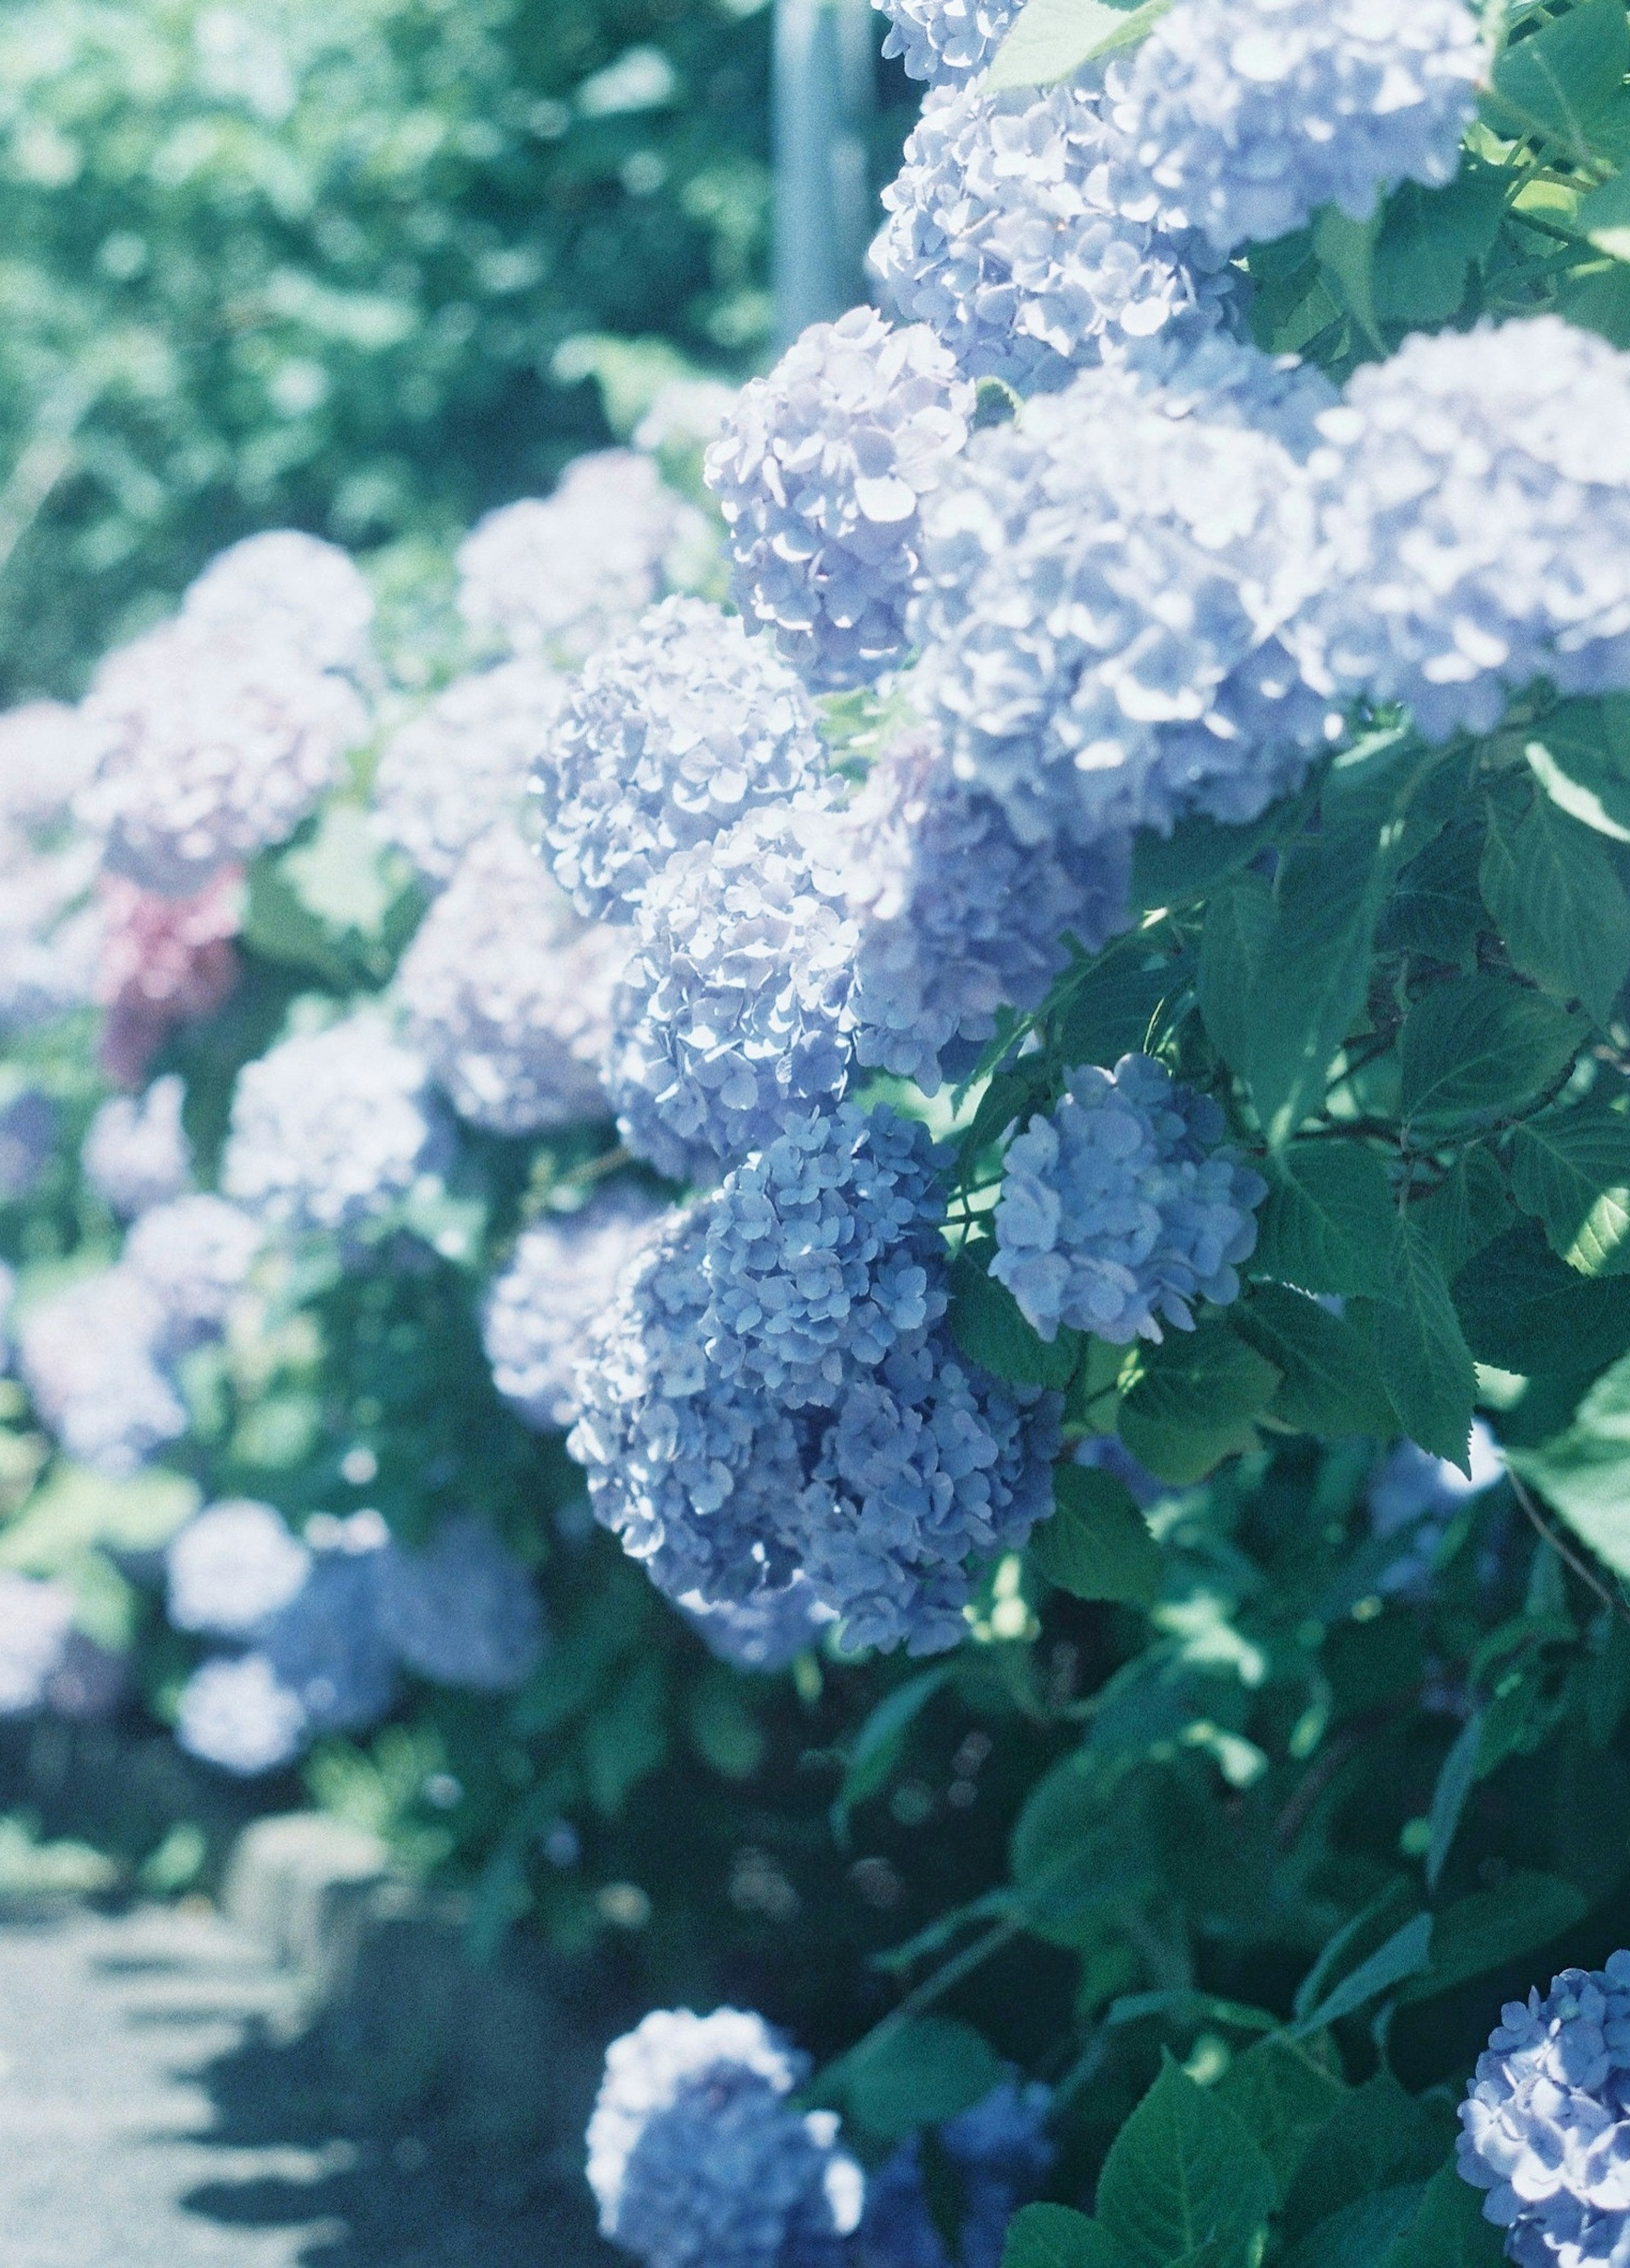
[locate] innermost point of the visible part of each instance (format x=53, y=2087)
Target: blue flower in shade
x=463, y=1612
x=998, y=2155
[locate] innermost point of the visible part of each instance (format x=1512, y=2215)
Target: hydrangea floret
x=766, y=1633
x=310, y=593
x=89, y=1356
x=558, y=1277
x=135, y=1153
x=36, y=1617
x=945, y=41
x=461, y=765
x=194, y=1255
x=234, y=1712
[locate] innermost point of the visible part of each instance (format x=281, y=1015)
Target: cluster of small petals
x=217, y=745
x=697, y=2161
x=667, y=739
x=1474, y=501
x=558, y=1279
x=732, y=1016
x=945, y=41
x=309, y=593
x=232, y=1567
x=36, y=1620
x=135, y=1153
x=194, y=1255
x=823, y=1251
x=507, y=996
x=1241, y=120
x=1119, y=1209
x=955, y=917
x=1003, y=237
x=50, y=933
x=562, y=574
x=165, y=961
x=1110, y=624
x=1001, y=2156
x=766, y=1633
x=1545, y=2126
x=461, y=765
x=29, y=1124
x=328, y=1646
x=1412, y=1498
x=89, y=1356
x=236, y=1712
x=462, y=1613
x=331, y=1129
x=1226, y=381
x=821, y=473
x=48, y=752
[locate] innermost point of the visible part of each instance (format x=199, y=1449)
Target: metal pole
x=825, y=61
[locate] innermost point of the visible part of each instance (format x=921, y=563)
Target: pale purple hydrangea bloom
x=217, y=743
x=956, y=918
x=560, y=1275
x=333, y=1129
x=1119, y=1209
x=560, y=575
x=732, y=1016
x=232, y=1567
x=1113, y=584
x=667, y=739
x=463, y=1612
x=237, y=1713
x=1474, y=504
x=194, y=1255
x=461, y=765
x=821, y=473
x=1414, y=1497
x=1004, y=237
x=1546, y=2123
x=290, y=585
x=507, y=995
x=766, y=1633
x=1000, y=2156
x=946, y=41
x=35, y=1624
x=89, y=1356
x=135, y=1153
x=1240, y=118
x=697, y=2161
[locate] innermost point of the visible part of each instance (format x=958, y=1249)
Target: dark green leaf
x=1581, y=757
x=1331, y=1384
x=1052, y=39
x=1173, y=870
x=1377, y=2137
x=1437, y=908
x=1109, y=1011
x=1097, y=1545
x=1011, y=1095
x=1560, y=81
x=1477, y=1047
x=1450, y=2231
x=1585, y=1471
x=1237, y=922
x=1363, y=2232
x=1184, y=2180
x=1560, y=905
x=1455, y=1783
x=1283, y=2092
x=1052, y=2237
x=1491, y=1927
x=1468, y=1210
x=1571, y=1170
x=1074, y=1852
x=1404, y=1953
x=919, y=2074
x=1347, y=250
x=1425, y=1363
x=1192, y=1402
x=876, y=1747
x=987, y=1326
x=1523, y=1309
x=1430, y=238
x=1328, y=1221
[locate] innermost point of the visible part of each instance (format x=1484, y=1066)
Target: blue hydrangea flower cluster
x=557, y=1280
x=135, y=1153
x=461, y=765
x=696, y=2160
x=1241, y=120
x=1474, y=502
x=232, y=1567
x=1226, y=381
x=1546, y=2123
x=945, y=41
x=668, y=738
x=331, y=1129
x=1000, y=2156
x=1119, y=1209
x=48, y=752
x=956, y=918
x=463, y=1612
x=1004, y=237
x=29, y=1122
x=734, y=1015
x=1413, y=1498
x=1113, y=590
x=820, y=473
x=766, y=1633
x=194, y=1255
x=507, y=996
x=310, y=592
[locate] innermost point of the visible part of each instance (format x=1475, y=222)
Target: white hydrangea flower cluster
x=463, y=1612
x=821, y=473
x=507, y=996
x=1110, y=622
x=295, y=587
x=194, y=1255
x=697, y=2161
x=90, y=1357
x=1003, y=237
x=1474, y=494
x=1119, y=1209
x=50, y=933
x=557, y=1280
x=461, y=765
x=331, y=1129
x=945, y=41
x=233, y=1711
x=135, y=1153
x=232, y=1567
x=668, y=738
x=36, y=1619
x=48, y=752
x=1240, y=120
x=561, y=575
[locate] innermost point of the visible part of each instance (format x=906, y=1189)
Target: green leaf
x=1237, y=922
x=1603, y=215
x=1455, y=1780
x=1571, y=1170
x=1347, y=250
x=1438, y=909
x=1524, y=1310
x=1560, y=905
x=1377, y=2137
x=1426, y=1364
x=1560, y=82
x=1284, y=2094
x=1478, y=1047
x=1052, y=39
x=1074, y=1852
x=1429, y=241
x=1331, y=1385
x=77, y=1510
x=1450, y=2230
x=987, y=1326
x=1470, y=1207
x=1184, y=2181
x=1582, y=759
x=1363, y=2232
x=1174, y=869
x=1191, y=1402
x=1097, y=1545
x=1053, y=2236
x=1328, y=1221
x=1404, y=1953
x=918, y=2075
x=875, y=1748
x=1109, y=1011
x=1584, y=1472
x=1491, y=1927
